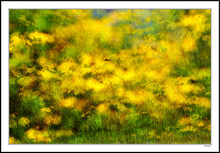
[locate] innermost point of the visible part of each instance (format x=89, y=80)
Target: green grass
x=139, y=136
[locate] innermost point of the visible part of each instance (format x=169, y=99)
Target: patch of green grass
x=138, y=136
x=31, y=105
x=17, y=132
x=71, y=119
x=180, y=70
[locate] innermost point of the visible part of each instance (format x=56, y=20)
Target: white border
x=128, y=148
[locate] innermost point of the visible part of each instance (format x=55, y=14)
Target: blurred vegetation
x=110, y=76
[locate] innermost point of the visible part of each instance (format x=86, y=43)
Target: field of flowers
x=110, y=76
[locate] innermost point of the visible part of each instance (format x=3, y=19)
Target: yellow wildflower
x=41, y=38
x=188, y=44
x=129, y=75
x=52, y=119
x=12, y=140
x=185, y=121
x=95, y=85
x=120, y=92
x=24, y=121
x=86, y=59
x=69, y=102
x=38, y=136
x=188, y=128
x=200, y=124
x=15, y=40
x=102, y=108
x=26, y=81
x=47, y=110
x=45, y=74
x=66, y=66
x=42, y=60
x=186, y=88
x=201, y=101
x=138, y=97
x=173, y=94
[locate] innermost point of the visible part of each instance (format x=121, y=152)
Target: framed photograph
x=110, y=76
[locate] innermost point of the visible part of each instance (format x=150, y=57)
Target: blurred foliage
x=110, y=76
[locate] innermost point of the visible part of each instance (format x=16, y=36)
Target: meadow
x=109, y=76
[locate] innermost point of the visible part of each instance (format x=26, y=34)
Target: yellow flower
x=24, y=121
x=94, y=84
x=186, y=88
x=154, y=75
x=47, y=110
x=30, y=70
x=38, y=136
x=129, y=75
x=42, y=60
x=41, y=38
x=52, y=119
x=201, y=101
x=102, y=108
x=69, y=102
x=197, y=22
x=173, y=94
x=26, y=81
x=45, y=74
x=66, y=66
x=188, y=128
x=188, y=44
x=99, y=63
x=120, y=92
x=16, y=40
x=86, y=59
x=31, y=133
x=200, y=124
x=12, y=140
x=185, y=121
x=148, y=19
x=138, y=97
